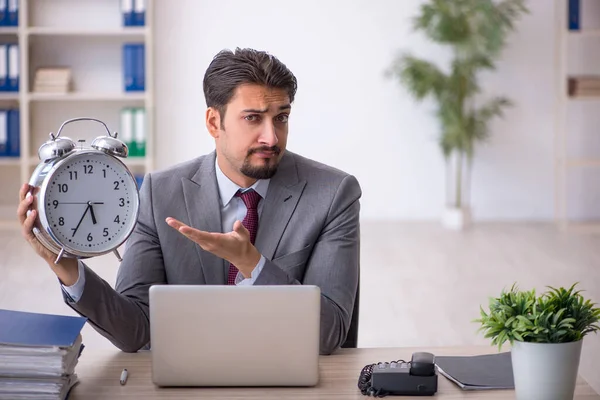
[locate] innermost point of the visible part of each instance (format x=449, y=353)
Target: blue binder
x=3, y=13
x=127, y=11
x=14, y=133
x=13, y=68
x=574, y=14
x=12, y=17
x=139, y=12
x=21, y=328
x=128, y=66
x=139, y=75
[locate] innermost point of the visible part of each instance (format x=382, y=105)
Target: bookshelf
x=577, y=117
x=87, y=36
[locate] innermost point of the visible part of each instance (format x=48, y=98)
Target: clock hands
x=92, y=213
x=89, y=207
x=81, y=220
x=82, y=202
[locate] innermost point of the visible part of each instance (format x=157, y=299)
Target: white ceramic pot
x=545, y=371
x=456, y=218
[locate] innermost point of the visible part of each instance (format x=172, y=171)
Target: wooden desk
x=99, y=375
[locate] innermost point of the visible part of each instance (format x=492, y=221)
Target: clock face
x=91, y=203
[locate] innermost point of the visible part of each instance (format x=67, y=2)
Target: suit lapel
x=201, y=196
x=285, y=190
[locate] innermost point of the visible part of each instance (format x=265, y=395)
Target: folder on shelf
x=126, y=135
x=574, y=14
x=3, y=133
x=13, y=128
x=3, y=67
x=139, y=74
x=12, y=16
x=127, y=11
x=139, y=179
x=134, y=74
x=13, y=67
x=3, y=13
x=139, y=12
x=139, y=131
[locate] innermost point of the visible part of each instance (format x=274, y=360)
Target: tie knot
x=250, y=198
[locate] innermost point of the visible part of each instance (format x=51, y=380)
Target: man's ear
x=213, y=122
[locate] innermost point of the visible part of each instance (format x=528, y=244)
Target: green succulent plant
x=556, y=316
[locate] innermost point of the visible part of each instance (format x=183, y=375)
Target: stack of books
x=52, y=80
x=38, y=355
x=584, y=86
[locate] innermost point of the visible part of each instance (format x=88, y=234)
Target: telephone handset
x=415, y=378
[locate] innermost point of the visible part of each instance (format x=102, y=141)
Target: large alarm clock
x=87, y=199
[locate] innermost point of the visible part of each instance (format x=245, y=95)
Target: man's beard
x=265, y=171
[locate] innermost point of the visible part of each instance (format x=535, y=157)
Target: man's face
x=252, y=137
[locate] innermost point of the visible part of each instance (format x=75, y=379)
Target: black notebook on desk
x=489, y=371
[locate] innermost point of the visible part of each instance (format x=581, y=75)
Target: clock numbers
x=116, y=185
x=61, y=221
x=88, y=169
x=72, y=175
x=55, y=204
x=89, y=237
x=121, y=202
x=117, y=220
x=63, y=188
x=105, y=232
x=104, y=172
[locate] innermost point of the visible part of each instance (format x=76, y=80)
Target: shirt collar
x=228, y=189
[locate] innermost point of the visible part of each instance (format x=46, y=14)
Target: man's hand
x=234, y=246
x=66, y=269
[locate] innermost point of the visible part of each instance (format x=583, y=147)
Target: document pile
x=52, y=80
x=38, y=355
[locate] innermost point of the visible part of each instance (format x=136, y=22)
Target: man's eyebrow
x=257, y=111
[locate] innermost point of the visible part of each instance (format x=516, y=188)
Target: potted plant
x=546, y=333
x=475, y=32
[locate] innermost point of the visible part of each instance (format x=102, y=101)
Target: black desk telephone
x=415, y=378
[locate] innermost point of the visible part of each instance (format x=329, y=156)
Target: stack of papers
x=38, y=355
x=52, y=80
x=489, y=371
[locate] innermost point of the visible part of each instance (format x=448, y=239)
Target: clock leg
x=60, y=254
x=116, y=252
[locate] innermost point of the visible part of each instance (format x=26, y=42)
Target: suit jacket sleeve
x=122, y=314
x=333, y=265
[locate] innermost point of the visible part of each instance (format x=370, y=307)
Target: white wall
x=349, y=115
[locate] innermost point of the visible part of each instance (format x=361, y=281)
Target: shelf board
x=10, y=161
x=116, y=32
x=584, y=97
x=75, y=96
x=583, y=162
x=585, y=32
x=9, y=95
x=10, y=30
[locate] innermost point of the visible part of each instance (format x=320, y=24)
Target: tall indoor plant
x=546, y=333
x=475, y=31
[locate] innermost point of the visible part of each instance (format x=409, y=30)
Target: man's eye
x=251, y=118
x=283, y=118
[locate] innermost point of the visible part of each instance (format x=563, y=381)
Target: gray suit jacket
x=308, y=232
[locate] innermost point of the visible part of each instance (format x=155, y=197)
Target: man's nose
x=269, y=135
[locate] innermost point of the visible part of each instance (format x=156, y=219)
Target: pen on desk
x=124, y=376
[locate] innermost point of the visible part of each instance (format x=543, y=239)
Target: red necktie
x=250, y=222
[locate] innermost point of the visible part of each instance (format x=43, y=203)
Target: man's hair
x=229, y=69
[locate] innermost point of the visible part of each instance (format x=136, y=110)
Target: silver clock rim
x=43, y=219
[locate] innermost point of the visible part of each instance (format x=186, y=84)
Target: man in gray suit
x=198, y=220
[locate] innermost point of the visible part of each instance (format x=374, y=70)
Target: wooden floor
x=420, y=286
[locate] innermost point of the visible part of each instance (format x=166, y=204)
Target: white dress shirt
x=232, y=209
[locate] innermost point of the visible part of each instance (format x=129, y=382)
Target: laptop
x=207, y=335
